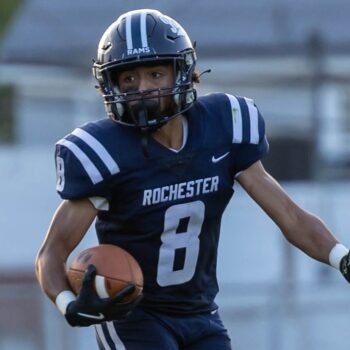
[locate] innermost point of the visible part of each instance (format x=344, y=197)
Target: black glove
x=345, y=266
x=89, y=308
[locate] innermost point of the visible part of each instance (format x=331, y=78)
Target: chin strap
x=142, y=119
x=146, y=130
x=144, y=142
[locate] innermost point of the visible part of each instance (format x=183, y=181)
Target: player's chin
x=154, y=105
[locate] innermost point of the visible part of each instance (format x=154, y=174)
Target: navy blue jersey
x=166, y=209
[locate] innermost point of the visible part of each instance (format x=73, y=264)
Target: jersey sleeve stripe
x=245, y=120
x=99, y=149
x=236, y=119
x=261, y=125
x=254, y=121
x=85, y=161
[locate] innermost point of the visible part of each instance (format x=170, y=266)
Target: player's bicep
x=269, y=195
x=69, y=224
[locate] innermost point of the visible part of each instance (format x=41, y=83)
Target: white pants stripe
x=102, y=337
x=119, y=345
x=113, y=334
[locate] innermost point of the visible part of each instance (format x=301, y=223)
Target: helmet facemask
x=144, y=109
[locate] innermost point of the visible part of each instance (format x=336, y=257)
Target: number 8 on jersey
x=172, y=241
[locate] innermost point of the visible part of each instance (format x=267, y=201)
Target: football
x=115, y=267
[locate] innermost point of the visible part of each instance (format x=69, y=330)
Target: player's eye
x=156, y=75
x=128, y=79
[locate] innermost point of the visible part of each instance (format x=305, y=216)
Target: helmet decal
x=136, y=33
x=174, y=26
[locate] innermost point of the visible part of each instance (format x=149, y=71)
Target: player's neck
x=171, y=134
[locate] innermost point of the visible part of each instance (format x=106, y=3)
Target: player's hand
x=89, y=308
x=345, y=266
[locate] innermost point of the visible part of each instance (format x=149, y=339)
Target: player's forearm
x=68, y=226
x=310, y=234
x=51, y=274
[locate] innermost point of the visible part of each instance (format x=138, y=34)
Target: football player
x=157, y=174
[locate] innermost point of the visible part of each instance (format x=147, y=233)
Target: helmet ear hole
x=190, y=97
x=115, y=111
x=177, y=99
x=120, y=109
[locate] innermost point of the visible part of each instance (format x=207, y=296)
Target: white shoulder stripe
x=236, y=119
x=254, y=121
x=85, y=161
x=99, y=149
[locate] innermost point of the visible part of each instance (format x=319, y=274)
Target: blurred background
x=291, y=57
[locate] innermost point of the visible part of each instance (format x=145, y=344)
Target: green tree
x=8, y=9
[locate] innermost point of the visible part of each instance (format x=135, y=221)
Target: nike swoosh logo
x=215, y=160
x=95, y=317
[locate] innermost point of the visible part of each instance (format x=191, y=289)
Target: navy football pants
x=155, y=331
